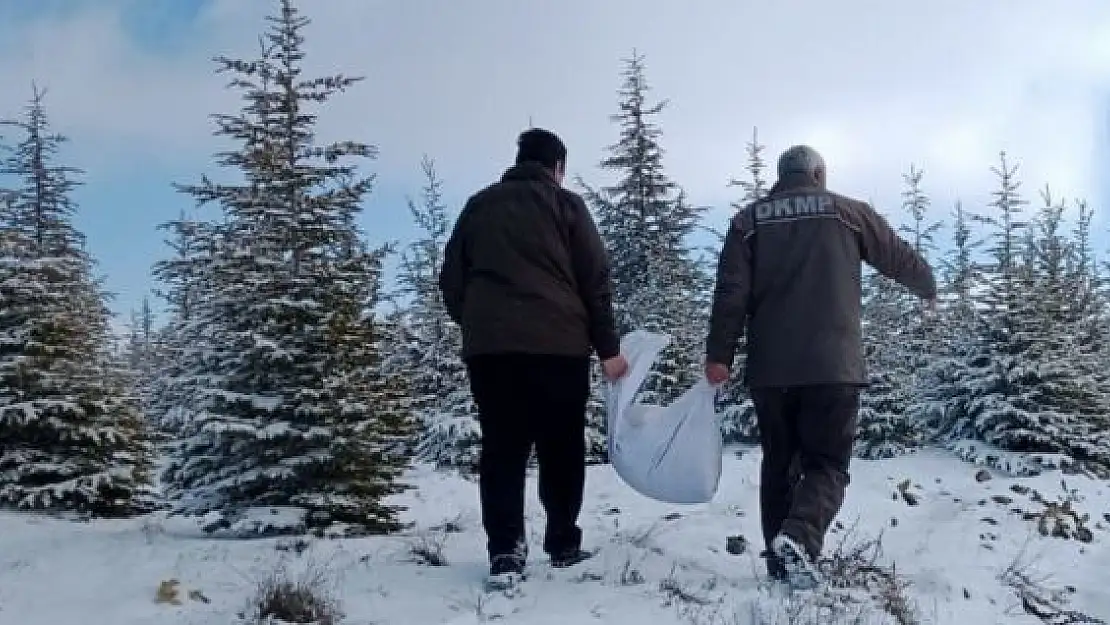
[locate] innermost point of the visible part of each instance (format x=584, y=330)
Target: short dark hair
x=540, y=146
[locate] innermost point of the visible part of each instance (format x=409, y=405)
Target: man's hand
x=615, y=368
x=716, y=373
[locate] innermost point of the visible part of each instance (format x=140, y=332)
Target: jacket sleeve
x=592, y=275
x=452, y=275
x=729, y=312
x=890, y=255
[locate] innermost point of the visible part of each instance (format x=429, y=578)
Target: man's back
x=526, y=272
x=805, y=246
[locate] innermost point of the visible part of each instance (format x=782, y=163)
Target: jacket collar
x=528, y=171
x=795, y=181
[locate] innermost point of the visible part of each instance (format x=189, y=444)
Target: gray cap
x=800, y=159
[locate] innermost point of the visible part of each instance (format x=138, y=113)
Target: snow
x=657, y=563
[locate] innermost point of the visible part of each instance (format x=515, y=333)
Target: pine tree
x=738, y=422
x=74, y=439
x=1085, y=284
x=431, y=350
x=1090, y=303
x=960, y=272
x=295, y=411
x=1046, y=263
x=1003, y=296
x=1070, y=371
x=958, y=325
x=1023, y=386
x=183, y=341
x=646, y=222
x=1073, y=378
x=141, y=355
x=755, y=186
x=899, y=342
x=140, y=335
x=983, y=366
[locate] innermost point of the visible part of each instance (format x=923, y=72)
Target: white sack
x=668, y=453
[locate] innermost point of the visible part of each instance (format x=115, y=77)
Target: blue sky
x=873, y=86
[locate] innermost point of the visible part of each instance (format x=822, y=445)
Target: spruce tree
x=142, y=357
x=1021, y=385
x=898, y=340
x=1091, y=313
x=440, y=386
x=293, y=410
x=738, y=422
x=140, y=335
x=958, y=323
x=183, y=340
x=1071, y=376
x=646, y=221
x=73, y=437
x=1004, y=297
x=960, y=273
x=1000, y=336
x=1085, y=284
x=755, y=185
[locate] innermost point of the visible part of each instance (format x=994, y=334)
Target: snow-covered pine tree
x=183, y=340
x=899, y=342
x=294, y=411
x=1082, y=264
x=960, y=273
x=1086, y=284
x=755, y=185
x=142, y=355
x=449, y=434
x=738, y=421
x=140, y=335
x=957, y=327
x=372, y=412
x=919, y=231
x=1022, y=386
x=1091, y=302
x=73, y=438
x=977, y=383
x=1070, y=372
x=646, y=221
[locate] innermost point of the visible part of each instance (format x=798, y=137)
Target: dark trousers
x=807, y=434
x=527, y=401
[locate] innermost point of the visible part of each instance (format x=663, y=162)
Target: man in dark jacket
x=790, y=272
x=526, y=276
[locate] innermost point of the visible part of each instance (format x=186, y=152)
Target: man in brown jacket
x=526, y=276
x=790, y=272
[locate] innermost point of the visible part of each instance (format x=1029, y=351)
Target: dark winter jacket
x=525, y=271
x=790, y=271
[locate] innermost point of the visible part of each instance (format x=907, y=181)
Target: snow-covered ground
x=955, y=547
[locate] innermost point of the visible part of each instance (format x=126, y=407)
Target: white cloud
x=873, y=84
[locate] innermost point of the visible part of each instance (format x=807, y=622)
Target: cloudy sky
x=875, y=85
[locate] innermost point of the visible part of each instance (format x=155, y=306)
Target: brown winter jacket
x=526, y=272
x=790, y=271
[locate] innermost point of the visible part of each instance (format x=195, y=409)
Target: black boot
x=801, y=570
x=506, y=570
x=776, y=568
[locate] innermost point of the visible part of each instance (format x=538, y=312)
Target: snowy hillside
x=962, y=551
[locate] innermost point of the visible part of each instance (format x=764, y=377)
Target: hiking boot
x=569, y=558
x=801, y=572
x=505, y=572
x=776, y=570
